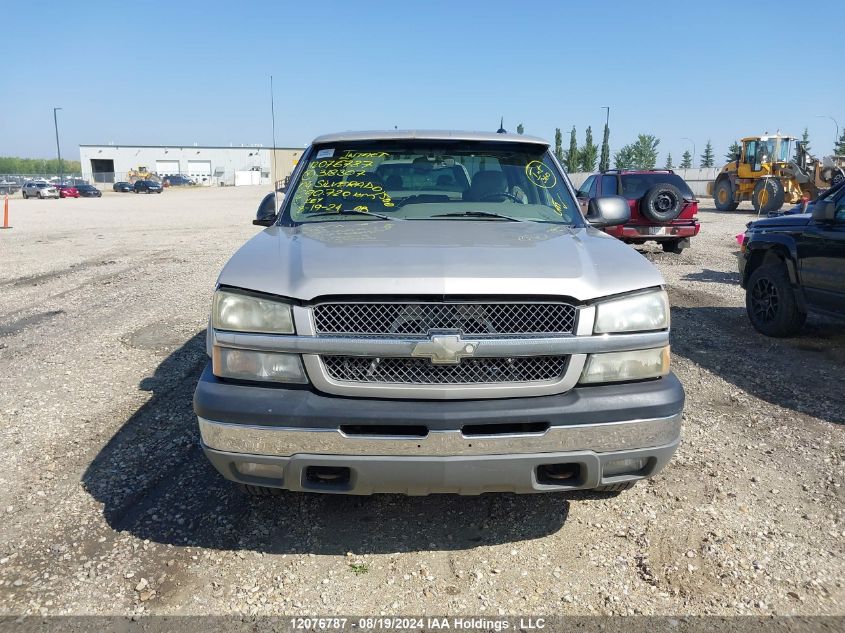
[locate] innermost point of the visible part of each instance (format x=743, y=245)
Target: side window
x=587, y=188
x=751, y=152
x=608, y=186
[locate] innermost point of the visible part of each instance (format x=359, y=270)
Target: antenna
x=273, y=117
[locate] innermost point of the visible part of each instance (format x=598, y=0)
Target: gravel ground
x=109, y=507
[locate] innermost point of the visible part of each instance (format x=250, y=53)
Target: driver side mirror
x=824, y=211
x=608, y=211
x=266, y=215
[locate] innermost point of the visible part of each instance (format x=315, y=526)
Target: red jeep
x=663, y=207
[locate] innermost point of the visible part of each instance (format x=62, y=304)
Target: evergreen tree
x=645, y=151
x=805, y=140
x=520, y=129
x=733, y=151
x=686, y=160
x=625, y=158
x=588, y=154
x=669, y=164
x=839, y=148
x=604, y=161
x=558, y=145
x=572, y=154
x=707, y=158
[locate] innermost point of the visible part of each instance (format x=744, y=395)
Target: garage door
x=167, y=167
x=200, y=171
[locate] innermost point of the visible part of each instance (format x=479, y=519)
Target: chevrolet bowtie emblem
x=445, y=349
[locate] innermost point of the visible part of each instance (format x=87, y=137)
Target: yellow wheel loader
x=766, y=173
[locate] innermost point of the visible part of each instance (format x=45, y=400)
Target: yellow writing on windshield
x=540, y=175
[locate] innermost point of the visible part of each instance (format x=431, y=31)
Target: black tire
x=662, y=203
x=770, y=302
x=674, y=246
x=260, y=491
x=40, y=197
x=23, y=193
x=723, y=196
x=837, y=178
x=625, y=485
x=771, y=191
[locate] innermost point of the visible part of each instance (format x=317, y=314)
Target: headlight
x=625, y=366
x=635, y=313
x=249, y=313
x=246, y=364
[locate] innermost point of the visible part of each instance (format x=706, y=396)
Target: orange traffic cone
x=6, y=213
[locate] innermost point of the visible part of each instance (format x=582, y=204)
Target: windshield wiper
x=480, y=214
x=351, y=212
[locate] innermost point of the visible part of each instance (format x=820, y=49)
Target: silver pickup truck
x=430, y=312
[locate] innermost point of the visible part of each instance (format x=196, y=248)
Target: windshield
x=422, y=180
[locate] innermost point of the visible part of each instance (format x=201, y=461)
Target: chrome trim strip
x=484, y=347
x=288, y=441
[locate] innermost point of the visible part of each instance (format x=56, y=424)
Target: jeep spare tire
x=662, y=203
x=768, y=195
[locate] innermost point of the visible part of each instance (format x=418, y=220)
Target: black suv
x=148, y=186
x=793, y=264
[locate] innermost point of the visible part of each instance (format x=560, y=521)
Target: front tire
x=23, y=193
x=723, y=196
x=768, y=195
x=770, y=302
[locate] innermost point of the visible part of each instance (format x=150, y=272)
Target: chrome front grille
x=418, y=319
x=420, y=371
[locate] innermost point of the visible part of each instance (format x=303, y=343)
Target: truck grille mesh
x=420, y=371
x=418, y=319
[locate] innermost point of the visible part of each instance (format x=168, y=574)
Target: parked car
x=39, y=189
x=178, y=181
x=437, y=340
x=89, y=191
x=795, y=264
x=663, y=207
x=147, y=186
x=123, y=187
x=8, y=187
x=67, y=191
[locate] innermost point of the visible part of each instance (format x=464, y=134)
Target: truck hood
x=437, y=257
x=796, y=220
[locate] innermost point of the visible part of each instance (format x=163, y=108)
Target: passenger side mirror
x=608, y=211
x=266, y=215
x=824, y=211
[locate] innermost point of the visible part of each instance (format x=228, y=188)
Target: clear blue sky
x=186, y=72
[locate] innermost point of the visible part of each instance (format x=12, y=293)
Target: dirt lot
x=108, y=505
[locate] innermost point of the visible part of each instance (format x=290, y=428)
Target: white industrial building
x=206, y=165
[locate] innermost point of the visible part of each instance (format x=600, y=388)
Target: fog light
x=254, y=469
x=630, y=466
x=245, y=364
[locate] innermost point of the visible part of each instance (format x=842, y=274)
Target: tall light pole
x=684, y=138
x=58, y=149
x=824, y=116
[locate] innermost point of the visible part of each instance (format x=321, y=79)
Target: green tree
x=645, y=151
x=625, y=158
x=839, y=148
x=604, y=161
x=669, y=164
x=559, y=145
x=588, y=153
x=572, y=154
x=520, y=129
x=37, y=166
x=707, y=158
x=805, y=139
x=733, y=151
x=686, y=160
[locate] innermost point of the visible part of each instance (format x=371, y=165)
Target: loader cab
x=759, y=153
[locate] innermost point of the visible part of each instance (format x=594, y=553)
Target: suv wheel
x=723, y=196
x=662, y=203
x=23, y=193
x=674, y=246
x=770, y=302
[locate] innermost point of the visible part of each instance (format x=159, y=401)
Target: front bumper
x=420, y=447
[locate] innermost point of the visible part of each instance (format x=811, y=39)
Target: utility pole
x=58, y=148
